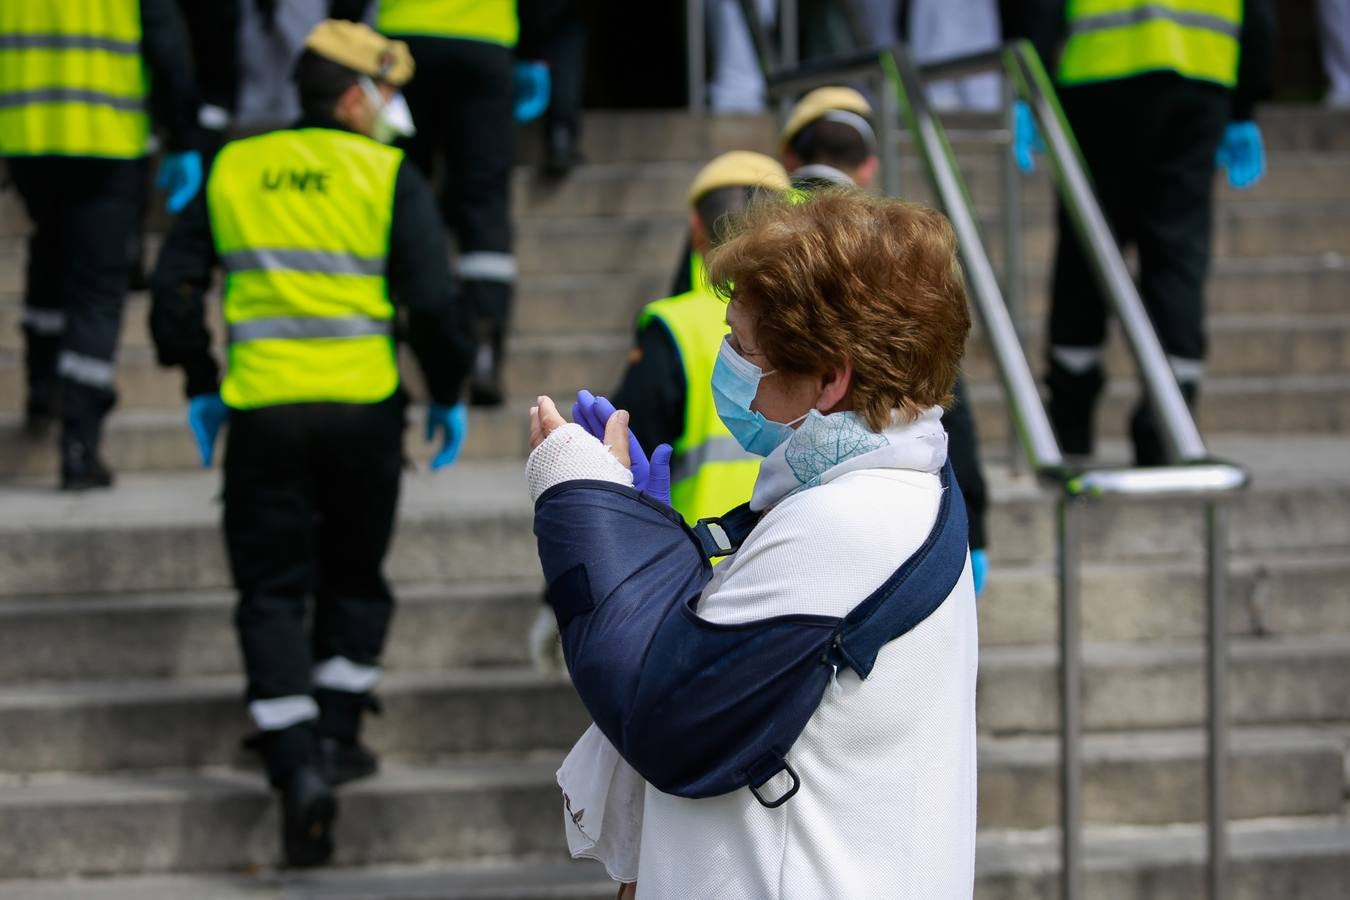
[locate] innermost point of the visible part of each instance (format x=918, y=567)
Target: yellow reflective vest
x=1111, y=39
x=710, y=473
x=493, y=21
x=72, y=80
x=300, y=220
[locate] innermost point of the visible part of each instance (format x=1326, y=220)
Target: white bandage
x=568, y=454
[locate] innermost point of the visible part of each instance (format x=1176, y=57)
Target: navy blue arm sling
x=696, y=707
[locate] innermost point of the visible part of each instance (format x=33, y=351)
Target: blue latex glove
x=1026, y=137
x=206, y=413
x=979, y=569
x=650, y=476
x=533, y=85
x=453, y=422
x=180, y=175
x=1243, y=154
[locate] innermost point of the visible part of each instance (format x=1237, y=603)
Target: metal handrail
x=1192, y=472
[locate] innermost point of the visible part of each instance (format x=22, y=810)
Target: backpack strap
x=723, y=535
x=910, y=595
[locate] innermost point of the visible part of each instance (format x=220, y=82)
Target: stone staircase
x=120, y=773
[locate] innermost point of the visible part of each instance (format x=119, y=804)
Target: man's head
x=350, y=73
x=726, y=186
x=831, y=126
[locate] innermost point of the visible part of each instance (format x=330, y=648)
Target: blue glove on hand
x=180, y=174
x=1026, y=137
x=533, y=85
x=650, y=476
x=454, y=422
x=979, y=569
x=1243, y=154
x=206, y=413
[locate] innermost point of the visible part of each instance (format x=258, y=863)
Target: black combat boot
x=308, y=807
x=485, y=380
x=82, y=468
x=1073, y=405
x=342, y=756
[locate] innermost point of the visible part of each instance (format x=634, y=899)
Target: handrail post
x=1216, y=552
x=890, y=146
x=696, y=56
x=1014, y=272
x=1069, y=559
x=789, y=49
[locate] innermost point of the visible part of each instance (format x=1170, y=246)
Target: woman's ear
x=834, y=389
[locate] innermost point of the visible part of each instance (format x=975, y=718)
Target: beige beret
x=363, y=50
x=739, y=168
x=819, y=102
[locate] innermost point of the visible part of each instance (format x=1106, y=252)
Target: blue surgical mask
x=735, y=381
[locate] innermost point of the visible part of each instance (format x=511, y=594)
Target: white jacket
x=886, y=807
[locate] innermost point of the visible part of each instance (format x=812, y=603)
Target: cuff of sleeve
x=202, y=377
x=570, y=454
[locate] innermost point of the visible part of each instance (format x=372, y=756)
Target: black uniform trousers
x=555, y=31
x=462, y=103
x=1150, y=145
x=84, y=211
x=311, y=492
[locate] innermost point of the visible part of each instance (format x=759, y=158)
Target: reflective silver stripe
x=1077, y=359
x=67, y=42
x=713, y=450
x=1187, y=371
x=302, y=327
x=213, y=117
x=85, y=369
x=283, y=712
x=328, y=262
x=341, y=674
x=1153, y=13
x=44, y=321
x=70, y=95
x=485, y=266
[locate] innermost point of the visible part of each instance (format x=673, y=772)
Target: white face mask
x=393, y=119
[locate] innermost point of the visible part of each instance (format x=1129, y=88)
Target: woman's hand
x=545, y=419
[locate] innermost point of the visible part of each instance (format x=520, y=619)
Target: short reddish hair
x=847, y=276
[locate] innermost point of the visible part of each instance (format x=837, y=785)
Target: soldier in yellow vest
x=78, y=80
x=1155, y=93
x=464, y=101
x=320, y=230
x=666, y=385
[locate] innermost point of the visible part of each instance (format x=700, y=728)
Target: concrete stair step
x=499, y=806
x=462, y=625
x=1159, y=684
x=655, y=188
x=1290, y=858
x=144, y=724
x=1239, y=292
x=191, y=634
x=224, y=819
x=472, y=522
x=187, y=723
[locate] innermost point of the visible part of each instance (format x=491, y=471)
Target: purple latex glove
x=650, y=476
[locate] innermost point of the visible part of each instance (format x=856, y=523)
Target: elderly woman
x=848, y=319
